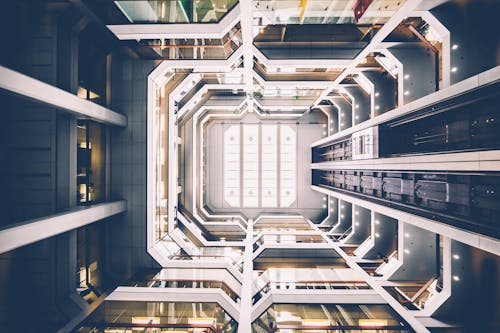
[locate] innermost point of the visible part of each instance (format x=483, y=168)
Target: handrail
x=230, y=292
x=237, y=263
x=208, y=328
x=310, y=284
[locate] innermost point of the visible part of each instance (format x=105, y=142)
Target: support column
x=245, y=320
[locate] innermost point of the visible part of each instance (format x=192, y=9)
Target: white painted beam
x=487, y=77
x=247, y=37
x=481, y=242
x=466, y=161
x=45, y=93
x=177, y=31
x=35, y=230
x=393, y=22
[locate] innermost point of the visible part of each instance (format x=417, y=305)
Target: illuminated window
x=232, y=166
x=250, y=165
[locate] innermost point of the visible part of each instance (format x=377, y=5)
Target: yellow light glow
x=202, y=321
x=315, y=322
x=372, y=322
x=145, y=320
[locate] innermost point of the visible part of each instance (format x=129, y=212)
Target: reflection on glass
x=125, y=316
x=91, y=162
x=330, y=318
x=323, y=11
x=175, y=11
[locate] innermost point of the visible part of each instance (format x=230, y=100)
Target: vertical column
x=245, y=320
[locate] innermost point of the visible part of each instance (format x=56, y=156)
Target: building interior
x=250, y=166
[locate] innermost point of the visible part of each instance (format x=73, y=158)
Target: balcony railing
x=308, y=285
x=176, y=283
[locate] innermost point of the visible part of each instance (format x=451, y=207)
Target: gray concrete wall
x=126, y=234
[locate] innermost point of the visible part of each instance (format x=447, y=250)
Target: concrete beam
x=39, y=91
x=35, y=230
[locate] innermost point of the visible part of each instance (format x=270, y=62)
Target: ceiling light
x=456, y=256
x=372, y=322
x=454, y=47
x=202, y=321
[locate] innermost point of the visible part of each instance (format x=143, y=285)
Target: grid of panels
x=260, y=165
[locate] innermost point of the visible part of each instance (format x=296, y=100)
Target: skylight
x=260, y=165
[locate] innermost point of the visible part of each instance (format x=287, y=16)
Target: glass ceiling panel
x=175, y=11
x=323, y=11
x=259, y=158
x=251, y=165
x=232, y=166
x=269, y=165
x=288, y=165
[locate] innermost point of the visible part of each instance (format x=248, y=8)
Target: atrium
x=250, y=166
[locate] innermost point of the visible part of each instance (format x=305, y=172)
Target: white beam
x=466, y=161
x=247, y=37
x=43, y=92
x=188, y=295
x=35, y=230
x=482, y=242
x=177, y=31
x=487, y=77
x=393, y=22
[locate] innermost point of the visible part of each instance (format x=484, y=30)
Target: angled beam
x=39, y=91
x=177, y=31
x=393, y=22
x=35, y=230
x=247, y=36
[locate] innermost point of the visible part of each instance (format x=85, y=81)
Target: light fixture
x=407, y=92
x=146, y=320
x=454, y=69
x=407, y=76
x=456, y=278
x=454, y=47
x=456, y=256
x=372, y=322
x=315, y=322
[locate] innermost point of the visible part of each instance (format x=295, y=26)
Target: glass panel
x=232, y=166
x=91, y=162
x=288, y=161
x=323, y=11
x=251, y=165
x=269, y=165
x=175, y=11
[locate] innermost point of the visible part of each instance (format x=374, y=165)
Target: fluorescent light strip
x=250, y=165
x=232, y=166
x=288, y=169
x=269, y=165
